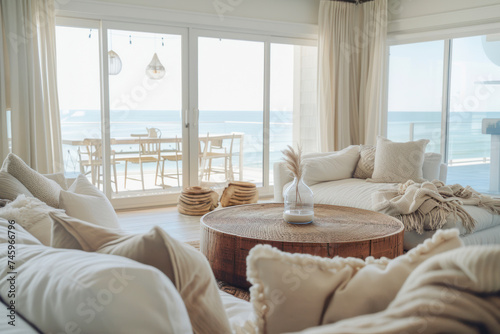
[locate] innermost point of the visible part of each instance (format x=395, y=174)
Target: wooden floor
x=181, y=227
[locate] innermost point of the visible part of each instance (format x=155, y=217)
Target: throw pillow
x=453, y=292
x=84, y=201
x=70, y=291
x=10, y=187
x=337, y=166
x=41, y=187
x=398, y=162
x=187, y=268
x=366, y=163
x=59, y=178
x=292, y=292
x=32, y=214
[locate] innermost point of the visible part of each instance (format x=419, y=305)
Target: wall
x=287, y=18
x=297, y=11
x=416, y=8
x=434, y=19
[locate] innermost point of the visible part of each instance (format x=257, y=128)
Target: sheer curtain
x=352, y=43
x=28, y=83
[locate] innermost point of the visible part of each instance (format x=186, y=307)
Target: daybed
x=357, y=193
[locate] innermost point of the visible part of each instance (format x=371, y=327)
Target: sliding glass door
x=145, y=114
x=448, y=91
x=145, y=104
x=231, y=110
x=78, y=78
x=474, y=116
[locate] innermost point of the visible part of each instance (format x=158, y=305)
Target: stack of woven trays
x=238, y=193
x=197, y=201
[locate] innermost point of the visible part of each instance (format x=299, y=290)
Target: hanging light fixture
x=114, y=63
x=155, y=69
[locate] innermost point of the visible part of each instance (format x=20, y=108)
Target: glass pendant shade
x=114, y=63
x=155, y=69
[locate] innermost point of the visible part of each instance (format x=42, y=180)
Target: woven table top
x=332, y=224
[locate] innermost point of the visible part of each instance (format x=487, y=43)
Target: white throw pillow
x=84, y=201
x=292, y=292
x=70, y=291
x=32, y=214
x=186, y=267
x=59, y=178
x=399, y=162
x=41, y=187
x=10, y=187
x=337, y=166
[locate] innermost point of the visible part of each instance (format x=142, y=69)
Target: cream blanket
x=454, y=292
x=427, y=206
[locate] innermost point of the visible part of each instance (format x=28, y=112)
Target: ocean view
x=465, y=138
x=81, y=124
x=468, y=155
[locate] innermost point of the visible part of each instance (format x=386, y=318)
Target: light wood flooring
x=182, y=227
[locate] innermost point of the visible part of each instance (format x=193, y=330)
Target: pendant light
x=155, y=69
x=114, y=63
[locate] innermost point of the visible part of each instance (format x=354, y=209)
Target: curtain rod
x=357, y=2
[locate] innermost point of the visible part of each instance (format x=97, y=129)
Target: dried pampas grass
x=293, y=160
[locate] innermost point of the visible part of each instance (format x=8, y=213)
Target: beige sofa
x=357, y=193
x=77, y=289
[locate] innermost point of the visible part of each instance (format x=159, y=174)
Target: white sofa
x=68, y=290
x=357, y=193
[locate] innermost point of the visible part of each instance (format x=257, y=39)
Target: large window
x=463, y=125
x=231, y=90
x=79, y=94
x=167, y=122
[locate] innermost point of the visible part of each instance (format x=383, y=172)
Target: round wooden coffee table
x=227, y=235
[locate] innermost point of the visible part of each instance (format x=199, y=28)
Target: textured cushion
x=187, y=268
x=42, y=188
x=32, y=214
x=10, y=187
x=292, y=292
x=84, y=201
x=70, y=291
x=336, y=166
x=59, y=178
x=453, y=292
x=366, y=163
x=399, y=162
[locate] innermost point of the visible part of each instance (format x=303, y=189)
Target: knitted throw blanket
x=426, y=206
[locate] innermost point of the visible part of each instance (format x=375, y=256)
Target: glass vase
x=299, y=203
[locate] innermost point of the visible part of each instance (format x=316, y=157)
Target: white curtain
x=28, y=83
x=352, y=44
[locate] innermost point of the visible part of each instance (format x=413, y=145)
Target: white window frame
x=446, y=35
x=190, y=33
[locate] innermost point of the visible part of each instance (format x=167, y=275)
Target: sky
x=416, y=76
x=231, y=72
